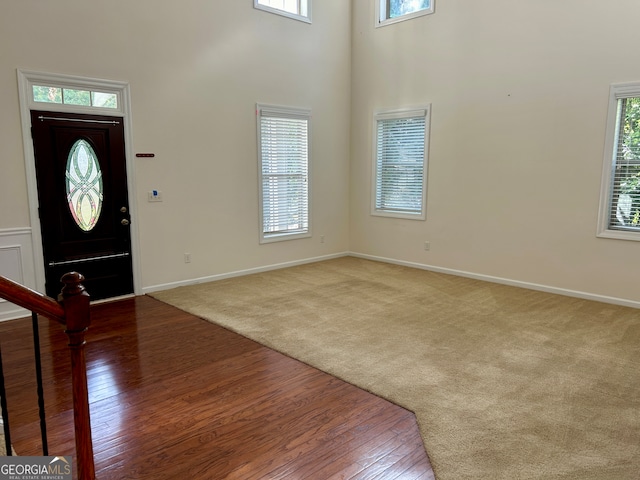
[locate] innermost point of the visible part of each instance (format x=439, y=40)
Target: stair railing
x=71, y=310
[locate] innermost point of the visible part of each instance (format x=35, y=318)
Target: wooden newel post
x=75, y=301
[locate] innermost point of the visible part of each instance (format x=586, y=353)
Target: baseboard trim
x=461, y=273
x=505, y=281
x=240, y=273
x=13, y=312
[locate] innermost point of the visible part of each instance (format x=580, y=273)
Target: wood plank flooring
x=175, y=397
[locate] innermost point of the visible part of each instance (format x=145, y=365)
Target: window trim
x=380, y=19
x=32, y=79
x=284, y=112
x=38, y=104
x=300, y=17
x=617, y=91
x=398, y=114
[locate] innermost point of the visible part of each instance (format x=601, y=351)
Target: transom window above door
x=74, y=96
x=64, y=93
x=296, y=9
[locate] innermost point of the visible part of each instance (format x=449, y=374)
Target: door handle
x=124, y=222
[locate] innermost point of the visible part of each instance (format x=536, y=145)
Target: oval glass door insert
x=84, y=185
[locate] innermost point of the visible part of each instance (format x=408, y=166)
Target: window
x=620, y=195
x=283, y=157
x=297, y=9
x=72, y=96
x=84, y=185
x=393, y=11
x=400, y=163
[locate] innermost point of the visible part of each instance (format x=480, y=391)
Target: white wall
x=519, y=96
x=196, y=70
x=519, y=92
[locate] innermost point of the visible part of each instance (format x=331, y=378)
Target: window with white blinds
x=620, y=202
x=400, y=163
x=283, y=156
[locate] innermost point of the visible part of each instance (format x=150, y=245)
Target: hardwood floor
x=175, y=397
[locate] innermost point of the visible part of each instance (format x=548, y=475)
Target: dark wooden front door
x=83, y=204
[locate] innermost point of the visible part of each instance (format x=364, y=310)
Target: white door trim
x=26, y=80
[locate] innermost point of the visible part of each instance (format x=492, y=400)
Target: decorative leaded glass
x=84, y=185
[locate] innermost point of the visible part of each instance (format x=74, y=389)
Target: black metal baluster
x=36, y=347
x=5, y=411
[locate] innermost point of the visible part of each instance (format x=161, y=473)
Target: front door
x=83, y=204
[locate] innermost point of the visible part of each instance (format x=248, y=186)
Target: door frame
x=26, y=80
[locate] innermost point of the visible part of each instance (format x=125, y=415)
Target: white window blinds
x=624, y=209
x=400, y=164
x=284, y=172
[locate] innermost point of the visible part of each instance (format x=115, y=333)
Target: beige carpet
x=506, y=383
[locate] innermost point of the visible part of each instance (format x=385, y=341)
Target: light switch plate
x=155, y=196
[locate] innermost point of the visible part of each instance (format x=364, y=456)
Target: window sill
x=283, y=13
x=405, y=216
x=620, y=235
x=402, y=18
x=283, y=237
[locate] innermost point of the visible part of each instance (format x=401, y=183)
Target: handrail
x=72, y=310
x=30, y=299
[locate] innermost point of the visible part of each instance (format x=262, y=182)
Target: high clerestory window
x=620, y=192
x=296, y=9
x=393, y=11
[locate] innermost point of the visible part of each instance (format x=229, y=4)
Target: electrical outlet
x=321, y=238
x=187, y=258
x=427, y=246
